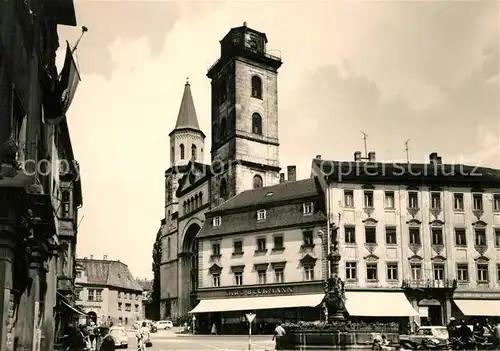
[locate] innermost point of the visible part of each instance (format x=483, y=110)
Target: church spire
x=187, y=113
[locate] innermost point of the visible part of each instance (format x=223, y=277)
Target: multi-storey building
x=263, y=251
x=430, y=231
x=34, y=99
x=244, y=156
x=107, y=291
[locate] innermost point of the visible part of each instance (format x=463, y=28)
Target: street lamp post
x=194, y=322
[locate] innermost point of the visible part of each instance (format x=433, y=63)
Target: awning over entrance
x=258, y=303
x=378, y=304
x=67, y=304
x=479, y=307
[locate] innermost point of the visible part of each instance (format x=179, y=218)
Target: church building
x=244, y=155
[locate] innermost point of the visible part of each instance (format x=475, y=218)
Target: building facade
x=244, y=155
x=429, y=231
x=32, y=108
x=107, y=292
x=263, y=251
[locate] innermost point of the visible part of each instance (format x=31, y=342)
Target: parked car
x=437, y=334
x=120, y=336
x=164, y=325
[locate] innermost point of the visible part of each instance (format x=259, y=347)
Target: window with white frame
x=307, y=235
x=262, y=276
x=348, y=198
x=462, y=272
x=460, y=237
x=217, y=221
x=368, y=199
x=413, y=199
x=438, y=270
x=279, y=275
x=458, y=202
x=238, y=278
x=350, y=234
x=477, y=202
x=416, y=271
x=216, y=249
x=98, y=295
x=480, y=237
x=216, y=280
x=261, y=215
x=496, y=202
x=261, y=244
x=435, y=200
x=351, y=271
x=308, y=208
x=308, y=273
x=91, y=296
x=389, y=202
x=437, y=236
x=371, y=272
x=482, y=272
x=392, y=271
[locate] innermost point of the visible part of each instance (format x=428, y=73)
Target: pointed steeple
x=187, y=113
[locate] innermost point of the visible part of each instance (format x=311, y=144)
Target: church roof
x=187, y=113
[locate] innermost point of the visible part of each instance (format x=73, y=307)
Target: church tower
x=187, y=143
x=244, y=114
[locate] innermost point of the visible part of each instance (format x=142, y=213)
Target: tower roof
x=187, y=113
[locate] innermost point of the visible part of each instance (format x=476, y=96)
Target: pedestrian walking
x=142, y=336
x=92, y=336
x=214, y=329
x=279, y=332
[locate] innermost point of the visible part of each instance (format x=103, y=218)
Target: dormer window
x=308, y=208
x=217, y=221
x=261, y=215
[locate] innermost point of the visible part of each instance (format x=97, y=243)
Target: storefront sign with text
x=260, y=291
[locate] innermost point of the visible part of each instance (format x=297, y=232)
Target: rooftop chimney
x=371, y=156
x=357, y=156
x=318, y=157
x=244, y=24
x=292, y=173
x=105, y=257
x=91, y=257
x=282, y=178
x=433, y=157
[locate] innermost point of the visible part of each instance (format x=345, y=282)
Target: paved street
x=169, y=340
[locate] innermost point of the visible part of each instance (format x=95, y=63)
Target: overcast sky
x=424, y=71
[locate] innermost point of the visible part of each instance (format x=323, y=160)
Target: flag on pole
x=64, y=90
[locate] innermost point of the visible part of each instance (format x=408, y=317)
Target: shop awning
x=490, y=308
x=258, y=303
x=67, y=304
x=378, y=304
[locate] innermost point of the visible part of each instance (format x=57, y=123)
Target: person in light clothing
x=142, y=336
x=279, y=332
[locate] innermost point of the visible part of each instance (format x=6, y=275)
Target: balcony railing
x=429, y=283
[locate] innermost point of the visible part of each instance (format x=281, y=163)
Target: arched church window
x=223, y=189
x=223, y=128
x=257, y=182
x=201, y=199
x=169, y=248
x=193, y=152
x=182, y=151
x=172, y=155
x=256, y=124
x=169, y=191
x=184, y=207
x=256, y=87
x=189, y=205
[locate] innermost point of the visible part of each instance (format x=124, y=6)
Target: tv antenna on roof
x=365, y=136
x=407, y=149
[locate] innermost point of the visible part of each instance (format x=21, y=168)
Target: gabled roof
x=187, y=118
x=403, y=173
x=194, y=173
x=270, y=194
x=109, y=273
